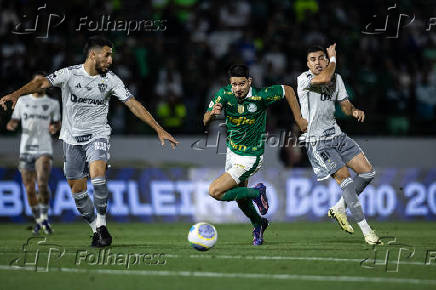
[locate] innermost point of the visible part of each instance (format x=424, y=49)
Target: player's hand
x=302, y=124
x=359, y=115
x=53, y=128
x=217, y=108
x=164, y=135
x=11, y=125
x=331, y=50
x=11, y=97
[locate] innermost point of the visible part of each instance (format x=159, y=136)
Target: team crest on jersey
x=102, y=87
x=252, y=108
x=241, y=109
x=45, y=107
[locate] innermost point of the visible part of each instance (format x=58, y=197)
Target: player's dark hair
x=238, y=70
x=39, y=73
x=96, y=42
x=315, y=48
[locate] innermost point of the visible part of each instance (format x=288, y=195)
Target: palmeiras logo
x=102, y=87
x=252, y=108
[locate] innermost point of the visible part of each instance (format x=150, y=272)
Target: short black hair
x=238, y=70
x=39, y=73
x=96, y=41
x=315, y=48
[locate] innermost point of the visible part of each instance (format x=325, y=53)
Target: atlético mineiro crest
x=45, y=107
x=102, y=87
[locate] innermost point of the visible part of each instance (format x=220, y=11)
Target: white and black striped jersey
x=318, y=105
x=85, y=102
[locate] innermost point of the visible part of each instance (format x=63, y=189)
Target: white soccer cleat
x=372, y=239
x=341, y=218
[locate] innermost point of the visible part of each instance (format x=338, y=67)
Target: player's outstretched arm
x=325, y=76
x=349, y=110
x=210, y=115
x=39, y=82
x=141, y=112
x=295, y=108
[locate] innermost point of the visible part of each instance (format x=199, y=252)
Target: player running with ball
x=330, y=151
x=86, y=91
x=245, y=112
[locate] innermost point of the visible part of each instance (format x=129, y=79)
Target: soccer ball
x=202, y=236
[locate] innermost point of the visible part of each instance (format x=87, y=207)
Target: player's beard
x=100, y=69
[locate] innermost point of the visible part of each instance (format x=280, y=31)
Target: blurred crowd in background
x=176, y=68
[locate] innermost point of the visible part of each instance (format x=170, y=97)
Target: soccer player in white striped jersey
x=39, y=116
x=86, y=91
x=330, y=151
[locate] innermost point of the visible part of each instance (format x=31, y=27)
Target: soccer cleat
x=105, y=237
x=262, y=200
x=95, y=243
x=372, y=239
x=36, y=229
x=341, y=218
x=46, y=227
x=258, y=232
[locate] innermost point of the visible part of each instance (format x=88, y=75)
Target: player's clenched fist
x=217, y=108
x=359, y=115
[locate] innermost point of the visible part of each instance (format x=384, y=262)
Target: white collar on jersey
x=82, y=68
x=250, y=93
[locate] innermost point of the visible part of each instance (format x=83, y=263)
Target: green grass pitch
x=294, y=256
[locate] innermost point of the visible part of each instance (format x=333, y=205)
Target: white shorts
x=242, y=167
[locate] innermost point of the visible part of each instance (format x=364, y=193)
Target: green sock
x=247, y=207
x=238, y=193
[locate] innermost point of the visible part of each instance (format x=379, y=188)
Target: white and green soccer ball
x=202, y=236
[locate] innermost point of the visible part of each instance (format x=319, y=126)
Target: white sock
x=366, y=229
x=101, y=220
x=340, y=205
x=93, y=226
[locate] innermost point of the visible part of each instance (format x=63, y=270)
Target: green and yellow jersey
x=246, y=119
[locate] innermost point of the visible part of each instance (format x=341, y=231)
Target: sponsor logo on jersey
x=255, y=98
x=83, y=138
x=76, y=99
x=34, y=116
x=241, y=121
x=252, y=108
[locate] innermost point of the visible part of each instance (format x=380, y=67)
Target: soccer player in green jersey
x=245, y=112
